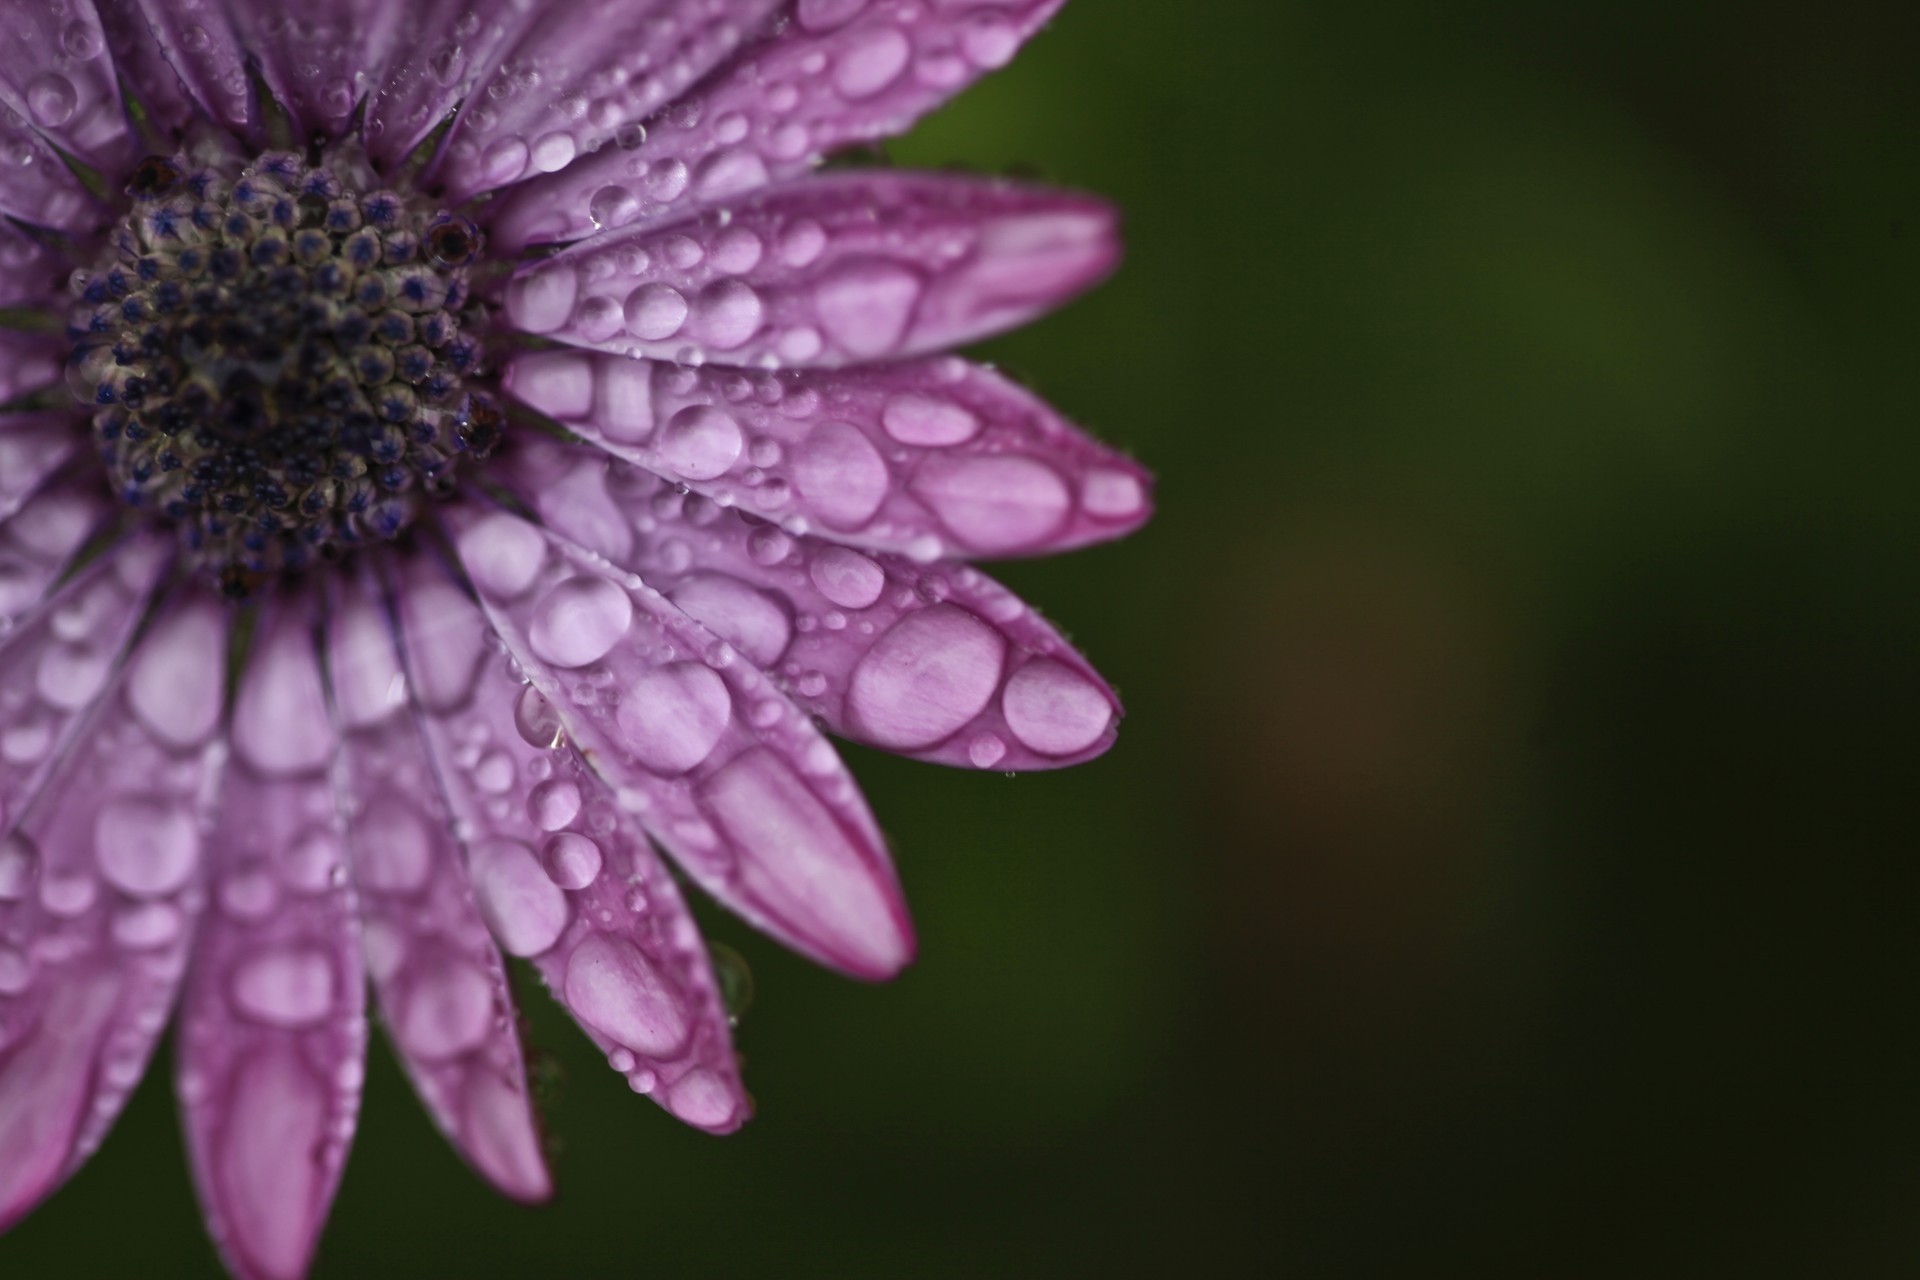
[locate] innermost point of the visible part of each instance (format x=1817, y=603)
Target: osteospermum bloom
x=452, y=451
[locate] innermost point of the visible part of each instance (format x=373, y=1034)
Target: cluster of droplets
x=280, y=355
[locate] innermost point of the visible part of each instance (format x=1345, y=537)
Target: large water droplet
x=580, y=620
x=673, y=716
x=573, y=860
x=926, y=678
x=145, y=847
x=624, y=996
x=52, y=99
x=526, y=911
x=700, y=442
x=1054, y=709
x=287, y=986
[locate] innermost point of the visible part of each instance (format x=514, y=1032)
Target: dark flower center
x=280, y=357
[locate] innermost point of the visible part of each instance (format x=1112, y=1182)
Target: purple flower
x=497, y=453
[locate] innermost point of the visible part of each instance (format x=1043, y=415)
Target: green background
x=1507, y=864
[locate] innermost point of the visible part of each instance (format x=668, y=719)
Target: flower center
x=279, y=356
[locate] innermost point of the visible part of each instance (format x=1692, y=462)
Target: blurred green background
x=1506, y=867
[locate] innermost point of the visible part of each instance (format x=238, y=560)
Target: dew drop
x=572, y=860
x=52, y=99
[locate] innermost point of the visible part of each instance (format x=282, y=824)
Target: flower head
x=451, y=454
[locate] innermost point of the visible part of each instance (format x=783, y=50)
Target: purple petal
x=28, y=362
x=842, y=269
x=844, y=71
x=100, y=883
x=272, y=1036
x=933, y=661
x=722, y=769
x=583, y=72
x=63, y=657
x=39, y=540
x=32, y=274
x=445, y=49
x=436, y=973
x=568, y=880
x=55, y=74
x=203, y=49
x=32, y=447
x=147, y=78
x=931, y=458
x=316, y=56
x=40, y=189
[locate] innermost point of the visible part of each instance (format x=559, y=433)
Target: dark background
x=1507, y=867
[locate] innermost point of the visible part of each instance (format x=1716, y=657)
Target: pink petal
x=580, y=74
x=205, y=52
x=272, y=1036
x=100, y=883
x=935, y=661
x=843, y=71
x=55, y=74
x=724, y=772
x=930, y=458
x=55, y=667
x=436, y=973
x=569, y=881
x=32, y=447
x=317, y=56
x=842, y=269
x=39, y=540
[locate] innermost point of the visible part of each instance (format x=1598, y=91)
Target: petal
x=583, y=71
x=842, y=269
x=446, y=47
x=100, y=882
x=30, y=273
x=723, y=770
x=60, y=660
x=39, y=188
x=319, y=56
x=38, y=541
x=147, y=79
x=844, y=71
x=55, y=74
x=28, y=362
x=935, y=661
x=32, y=447
x=931, y=458
x=272, y=1035
x=436, y=973
x=203, y=49
x=570, y=881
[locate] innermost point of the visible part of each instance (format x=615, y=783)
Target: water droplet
x=16, y=972
x=1109, y=493
x=554, y=804
x=700, y=442
x=673, y=716
x=392, y=846
x=81, y=40
x=926, y=678
x=572, y=860
x=612, y=206
x=994, y=503
x=539, y=724
x=623, y=995
x=726, y=315
x=19, y=860
x=287, y=986
x=871, y=61
x=52, y=99
x=927, y=421
x=580, y=620
x=525, y=910
x=655, y=312
x=446, y=1010
x=844, y=576
x=504, y=160
x=147, y=925
x=553, y=152
x=1054, y=709
x=744, y=617
x=145, y=847
x=986, y=751
x=867, y=305
x=735, y=979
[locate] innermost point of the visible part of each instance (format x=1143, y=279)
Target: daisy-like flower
x=452, y=450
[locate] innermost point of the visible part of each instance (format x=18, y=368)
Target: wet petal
x=844, y=71
x=842, y=269
x=569, y=880
x=40, y=189
x=445, y=48
x=935, y=661
x=929, y=458
x=203, y=49
x=272, y=1033
x=56, y=75
x=32, y=447
x=582, y=72
x=62, y=658
x=436, y=973
x=318, y=56
x=28, y=362
x=40, y=539
x=100, y=884
x=723, y=770
x=31, y=275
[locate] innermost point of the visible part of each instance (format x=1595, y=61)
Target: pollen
x=281, y=358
